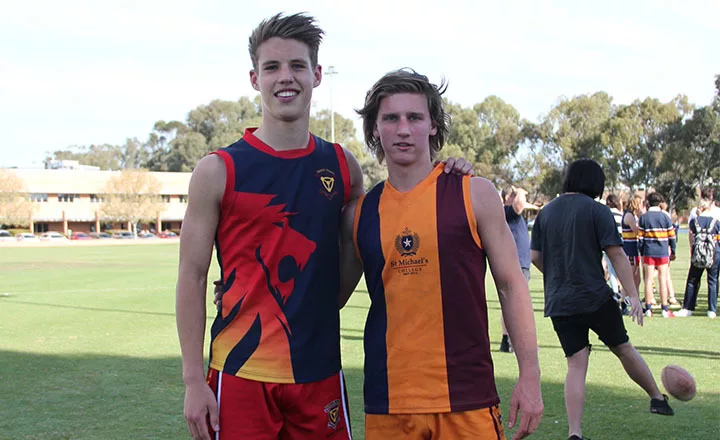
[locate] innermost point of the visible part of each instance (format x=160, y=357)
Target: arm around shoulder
x=357, y=188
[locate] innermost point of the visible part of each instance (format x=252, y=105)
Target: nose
x=286, y=75
x=403, y=127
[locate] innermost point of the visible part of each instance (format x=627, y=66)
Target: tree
x=132, y=195
x=572, y=130
x=15, y=208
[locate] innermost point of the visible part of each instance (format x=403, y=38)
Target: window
x=67, y=197
x=39, y=228
x=166, y=198
x=38, y=198
x=94, y=198
x=183, y=198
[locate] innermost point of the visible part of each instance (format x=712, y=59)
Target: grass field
x=88, y=350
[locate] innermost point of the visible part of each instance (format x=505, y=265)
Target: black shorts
x=606, y=322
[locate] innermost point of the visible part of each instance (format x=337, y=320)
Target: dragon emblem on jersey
x=407, y=243
x=327, y=182
x=262, y=255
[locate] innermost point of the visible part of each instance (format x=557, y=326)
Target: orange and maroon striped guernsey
x=426, y=336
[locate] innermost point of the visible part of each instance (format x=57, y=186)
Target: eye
x=389, y=117
x=270, y=68
x=298, y=66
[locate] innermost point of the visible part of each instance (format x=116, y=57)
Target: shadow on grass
x=89, y=396
x=95, y=309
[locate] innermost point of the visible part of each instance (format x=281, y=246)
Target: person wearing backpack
x=704, y=256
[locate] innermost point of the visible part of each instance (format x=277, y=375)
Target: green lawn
x=88, y=350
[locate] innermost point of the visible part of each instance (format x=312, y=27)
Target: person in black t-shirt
x=568, y=238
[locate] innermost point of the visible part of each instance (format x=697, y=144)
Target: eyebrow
x=293, y=61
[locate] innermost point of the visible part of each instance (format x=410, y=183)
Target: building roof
x=64, y=181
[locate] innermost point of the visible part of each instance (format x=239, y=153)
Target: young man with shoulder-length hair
x=424, y=239
x=568, y=238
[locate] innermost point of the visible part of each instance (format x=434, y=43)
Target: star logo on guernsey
x=407, y=243
x=332, y=409
x=326, y=178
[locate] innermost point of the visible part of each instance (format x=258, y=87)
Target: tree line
x=673, y=147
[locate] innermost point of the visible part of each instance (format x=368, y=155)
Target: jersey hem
x=271, y=379
x=469, y=406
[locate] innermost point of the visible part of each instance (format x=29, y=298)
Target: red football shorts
x=252, y=410
x=656, y=261
x=634, y=260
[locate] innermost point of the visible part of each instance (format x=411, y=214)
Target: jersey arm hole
x=469, y=213
x=229, y=175
x=344, y=172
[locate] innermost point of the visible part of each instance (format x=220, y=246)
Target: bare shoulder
x=356, y=175
x=208, y=177
x=482, y=189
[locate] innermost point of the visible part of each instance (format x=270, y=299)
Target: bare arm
x=515, y=301
x=536, y=258
x=620, y=262
x=196, y=242
x=350, y=267
x=349, y=261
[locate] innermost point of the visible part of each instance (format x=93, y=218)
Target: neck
x=406, y=177
x=281, y=135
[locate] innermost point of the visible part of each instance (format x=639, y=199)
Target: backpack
x=702, y=254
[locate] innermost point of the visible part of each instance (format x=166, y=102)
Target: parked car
x=52, y=236
x=25, y=236
x=80, y=236
x=100, y=235
x=167, y=234
x=123, y=235
x=146, y=235
x=6, y=236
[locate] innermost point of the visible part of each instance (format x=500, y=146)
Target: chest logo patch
x=327, y=182
x=407, y=243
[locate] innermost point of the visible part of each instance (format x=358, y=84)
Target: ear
x=254, y=80
x=433, y=130
x=317, y=74
x=376, y=133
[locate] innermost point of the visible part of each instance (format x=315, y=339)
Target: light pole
x=330, y=72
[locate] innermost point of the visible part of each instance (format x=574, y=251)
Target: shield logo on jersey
x=332, y=409
x=327, y=182
x=407, y=243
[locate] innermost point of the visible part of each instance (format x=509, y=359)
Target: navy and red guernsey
x=278, y=249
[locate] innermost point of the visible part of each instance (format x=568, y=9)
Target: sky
x=77, y=73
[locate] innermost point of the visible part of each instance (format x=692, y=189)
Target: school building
x=71, y=200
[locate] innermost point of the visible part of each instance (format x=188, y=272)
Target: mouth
x=403, y=145
x=286, y=94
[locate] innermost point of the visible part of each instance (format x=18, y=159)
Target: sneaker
x=712, y=315
x=661, y=407
x=668, y=314
x=648, y=313
x=683, y=313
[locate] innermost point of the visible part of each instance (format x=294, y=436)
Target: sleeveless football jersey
x=630, y=241
x=426, y=335
x=277, y=245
